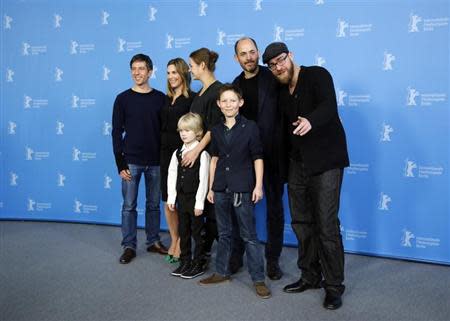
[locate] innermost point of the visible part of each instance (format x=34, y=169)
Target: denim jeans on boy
x=152, y=211
x=224, y=207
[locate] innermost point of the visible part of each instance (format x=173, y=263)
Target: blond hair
x=191, y=121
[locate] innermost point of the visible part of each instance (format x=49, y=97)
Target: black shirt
x=206, y=106
x=249, y=89
x=170, y=114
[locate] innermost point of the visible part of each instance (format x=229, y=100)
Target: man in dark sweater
x=260, y=90
x=136, y=145
x=317, y=155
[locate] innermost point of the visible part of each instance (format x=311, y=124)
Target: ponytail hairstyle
x=207, y=56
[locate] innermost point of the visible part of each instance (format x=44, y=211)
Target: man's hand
x=125, y=174
x=257, y=194
x=171, y=207
x=210, y=196
x=303, y=126
x=189, y=158
x=197, y=212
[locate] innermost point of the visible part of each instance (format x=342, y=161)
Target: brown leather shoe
x=262, y=290
x=157, y=247
x=214, y=279
x=127, y=255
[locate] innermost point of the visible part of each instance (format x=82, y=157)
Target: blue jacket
x=235, y=167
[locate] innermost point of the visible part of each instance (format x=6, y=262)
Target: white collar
x=191, y=147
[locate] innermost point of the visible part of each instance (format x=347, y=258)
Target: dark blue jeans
x=224, y=207
x=152, y=211
x=314, y=207
x=273, y=191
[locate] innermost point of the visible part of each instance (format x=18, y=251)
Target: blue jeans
x=152, y=211
x=224, y=206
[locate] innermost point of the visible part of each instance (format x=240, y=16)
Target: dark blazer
x=267, y=111
x=314, y=98
x=235, y=167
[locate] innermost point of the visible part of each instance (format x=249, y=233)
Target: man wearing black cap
x=317, y=152
x=136, y=143
x=260, y=93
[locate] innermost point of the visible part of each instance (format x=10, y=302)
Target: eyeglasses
x=280, y=62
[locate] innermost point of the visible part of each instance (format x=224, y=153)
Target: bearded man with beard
x=260, y=93
x=317, y=152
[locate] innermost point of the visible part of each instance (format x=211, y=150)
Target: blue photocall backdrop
x=64, y=62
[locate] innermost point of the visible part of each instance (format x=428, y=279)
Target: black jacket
x=314, y=98
x=235, y=167
x=268, y=88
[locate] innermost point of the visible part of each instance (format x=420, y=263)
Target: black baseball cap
x=273, y=50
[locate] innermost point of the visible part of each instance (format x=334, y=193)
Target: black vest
x=187, y=177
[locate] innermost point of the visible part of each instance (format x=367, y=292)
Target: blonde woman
x=179, y=99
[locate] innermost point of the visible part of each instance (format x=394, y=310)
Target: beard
x=286, y=77
x=250, y=66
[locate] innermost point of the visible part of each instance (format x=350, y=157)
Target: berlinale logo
x=386, y=133
x=341, y=97
x=413, y=22
x=341, y=28
x=258, y=6
x=202, y=8
x=58, y=74
x=152, y=13
x=383, y=204
x=60, y=180
x=387, y=61
x=105, y=16
x=12, y=126
x=9, y=75
x=8, y=21
x=59, y=127
x=106, y=128
x=13, y=177
x=107, y=182
x=411, y=96
x=26, y=49
x=319, y=61
x=409, y=167
x=169, y=41
x=106, y=72
x=407, y=238
x=221, y=37
x=278, y=31
x=57, y=21
x=30, y=205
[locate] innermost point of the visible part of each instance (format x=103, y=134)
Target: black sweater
x=136, y=128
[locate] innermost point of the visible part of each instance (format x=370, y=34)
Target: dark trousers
x=314, y=206
x=210, y=226
x=273, y=192
x=189, y=226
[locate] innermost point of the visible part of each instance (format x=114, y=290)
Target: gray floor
x=57, y=271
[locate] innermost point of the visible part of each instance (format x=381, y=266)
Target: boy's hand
x=125, y=174
x=171, y=207
x=189, y=158
x=210, y=196
x=198, y=212
x=257, y=194
x=303, y=126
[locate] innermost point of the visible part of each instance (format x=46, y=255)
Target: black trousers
x=314, y=207
x=210, y=227
x=189, y=226
x=273, y=192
